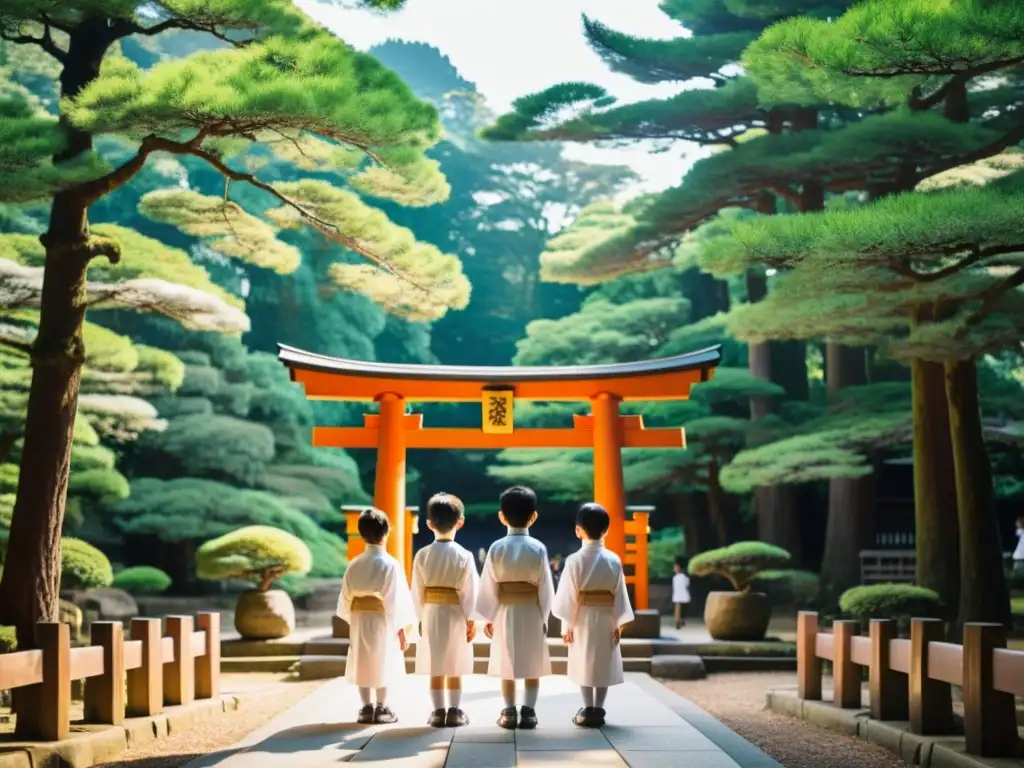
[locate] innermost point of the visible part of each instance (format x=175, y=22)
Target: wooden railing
x=134, y=677
x=912, y=679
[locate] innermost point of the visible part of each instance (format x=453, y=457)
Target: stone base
x=678, y=667
x=895, y=736
x=102, y=744
x=645, y=625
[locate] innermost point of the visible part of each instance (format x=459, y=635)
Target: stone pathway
x=648, y=727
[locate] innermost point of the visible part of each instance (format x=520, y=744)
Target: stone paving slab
x=648, y=727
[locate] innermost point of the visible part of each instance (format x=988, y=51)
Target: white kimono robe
x=519, y=649
x=595, y=659
x=442, y=648
x=375, y=659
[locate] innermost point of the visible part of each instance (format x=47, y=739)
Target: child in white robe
x=515, y=602
x=444, y=587
x=376, y=602
x=593, y=606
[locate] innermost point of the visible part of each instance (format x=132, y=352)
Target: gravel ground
x=265, y=696
x=738, y=700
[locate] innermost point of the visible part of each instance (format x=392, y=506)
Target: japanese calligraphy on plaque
x=497, y=411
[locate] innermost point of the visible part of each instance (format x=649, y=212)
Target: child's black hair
x=682, y=562
x=444, y=511
x=593, y=519
x=373, y=526
x=518, y=504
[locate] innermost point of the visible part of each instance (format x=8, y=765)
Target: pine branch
x=46, y=42
x=918, y=103
x=926, y=69
x=976, y=255
x=991, y=297
x=172, y=23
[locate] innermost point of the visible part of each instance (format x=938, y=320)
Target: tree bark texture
x=851, y=500
x=936, y=524
x=716, y=508
x=30, y=586
x=984, y=595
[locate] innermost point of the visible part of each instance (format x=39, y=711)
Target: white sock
x=588, y=695
x=364, y=695
x=437, y=697
x=454, y=697
x=382, y=696
x=600, y=694
x=530, y=694
x=508, y=693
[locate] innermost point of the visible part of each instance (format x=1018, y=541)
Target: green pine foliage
x=899, y=602
x=83, y=566
x=739, y=563
x=257, y=552
x=142, y=580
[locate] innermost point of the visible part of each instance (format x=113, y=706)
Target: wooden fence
x=911, y=680
x=134, y=677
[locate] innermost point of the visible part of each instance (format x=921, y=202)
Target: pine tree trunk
x=30, y=586
x=851, y=500
x=935, y=499
x=984, y=595
x=716, y=510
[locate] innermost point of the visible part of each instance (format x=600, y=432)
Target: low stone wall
x=895, y=736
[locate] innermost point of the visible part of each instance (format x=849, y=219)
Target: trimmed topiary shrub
x=8, y=642
x=900, y=602
x=83, y=566
x=789, y=587
x=739, y=563
x=142, y=580
x=258, y=553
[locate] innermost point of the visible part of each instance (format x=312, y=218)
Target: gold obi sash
x=368, y=604
x=596, y=598
x=441, y=596
x=517, y=593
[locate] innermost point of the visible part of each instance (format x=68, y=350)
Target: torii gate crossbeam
x=392, y=432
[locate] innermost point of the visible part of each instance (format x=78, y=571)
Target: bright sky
x=510, y=48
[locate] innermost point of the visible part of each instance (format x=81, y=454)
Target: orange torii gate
x=392, y=431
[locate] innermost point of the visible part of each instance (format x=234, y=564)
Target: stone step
x=324, y=667
x=258, y=663
x=749, y=663
x=481, y=650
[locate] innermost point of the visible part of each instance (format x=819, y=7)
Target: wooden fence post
x=54, y=718
x=990, y=718
x=104, y=694
x=931, y=701
x=888, y=688
x=208, y=665
x=845, y=674
x=808, y=665
x=146, y=683
x=179, y=674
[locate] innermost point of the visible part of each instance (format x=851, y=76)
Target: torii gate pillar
x=609, y=488
x=389, y=481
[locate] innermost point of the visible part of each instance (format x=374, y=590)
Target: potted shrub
x=142, y=580
x=260, y=554
x=742, y=614
x=900, y=602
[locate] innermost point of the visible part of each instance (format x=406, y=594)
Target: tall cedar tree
x=280, y=77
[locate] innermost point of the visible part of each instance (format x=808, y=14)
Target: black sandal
x=384, y=716
x=365, y=715
x=456, y=718
x=437, y=718
x=527, y=718
x=508, y=719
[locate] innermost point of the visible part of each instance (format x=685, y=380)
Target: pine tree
x=931, y=277
x=726, y=116
x=279, y=78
